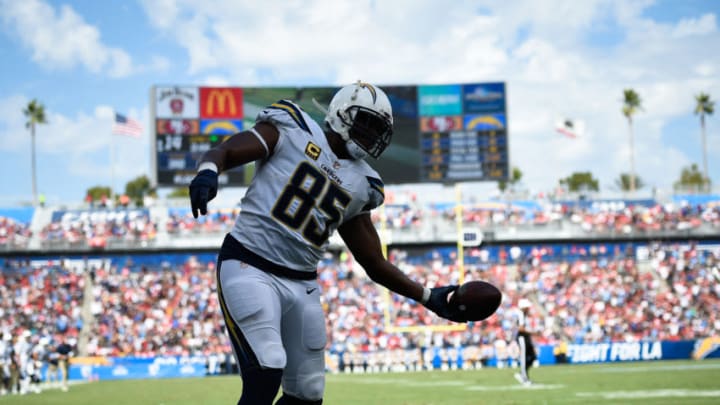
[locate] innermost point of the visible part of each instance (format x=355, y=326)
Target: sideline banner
x=114, y=368
x=633, y=351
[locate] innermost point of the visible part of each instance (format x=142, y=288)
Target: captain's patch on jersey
x=313, y=151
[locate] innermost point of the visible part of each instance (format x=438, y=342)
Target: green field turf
x=670, y=382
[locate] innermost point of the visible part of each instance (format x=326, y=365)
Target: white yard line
x=668, y=367
x=514, y=387
x=663, y=393
x=410, y=383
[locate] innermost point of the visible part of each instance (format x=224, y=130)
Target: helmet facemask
x=369, y=130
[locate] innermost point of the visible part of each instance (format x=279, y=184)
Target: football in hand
x=477, y=300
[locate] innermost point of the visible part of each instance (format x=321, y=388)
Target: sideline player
x=309, y=181
x=527, y=350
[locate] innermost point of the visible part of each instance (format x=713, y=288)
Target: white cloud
x=159, y=63
x=216, y=81
x=705, y=69
x=162, y=13
x=61, y=39
x=156, y=63
x=122, y=157
x=13, y=133
x=540, y=49
x=81, y=142
x=695, y=26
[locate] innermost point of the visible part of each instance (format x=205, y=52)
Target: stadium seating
x=181, y=222
x=407, y=220
x=172, y=309
x=14, y=235
x=153, y=305
x=98, y=229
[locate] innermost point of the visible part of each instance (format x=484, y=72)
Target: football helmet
x=524, y=303
x=362, y=115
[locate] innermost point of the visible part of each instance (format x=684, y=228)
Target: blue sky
x=85, y=59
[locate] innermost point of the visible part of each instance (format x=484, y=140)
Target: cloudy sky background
x=84, y=60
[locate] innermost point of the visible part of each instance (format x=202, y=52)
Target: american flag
x=126, y=126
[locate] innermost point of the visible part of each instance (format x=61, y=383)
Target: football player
x=527, y=355
x=309, y=181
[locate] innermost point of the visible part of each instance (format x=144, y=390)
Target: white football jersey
x=521, y=322
x=302, y=192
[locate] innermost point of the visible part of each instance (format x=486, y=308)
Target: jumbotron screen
x=442, y=133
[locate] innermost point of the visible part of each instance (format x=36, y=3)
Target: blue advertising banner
x=440, y=100
x=484, y=98
x=116, y=368
x=99, y=214
x=21, y=214
x=708, y=348
x=632, y=351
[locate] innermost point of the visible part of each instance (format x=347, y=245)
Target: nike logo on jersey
x=309, y=291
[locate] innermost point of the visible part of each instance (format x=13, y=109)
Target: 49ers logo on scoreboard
x=221, y=102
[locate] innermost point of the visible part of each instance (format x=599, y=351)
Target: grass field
x=675, y=382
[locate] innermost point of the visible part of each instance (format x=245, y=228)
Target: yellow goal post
x=390, y=327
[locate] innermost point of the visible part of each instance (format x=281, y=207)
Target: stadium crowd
x=14, y=234
x=98, y=228
x=598, y=219
x=168, y=311
x=40, y=320
x=592, y=296
x=181, y=222
x=131, y=226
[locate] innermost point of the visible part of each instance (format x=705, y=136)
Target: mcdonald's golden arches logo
x=221, y=102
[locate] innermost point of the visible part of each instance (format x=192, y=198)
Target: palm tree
x=704, y=106
x=35, y=113
x=631, y=105
x=623, y=182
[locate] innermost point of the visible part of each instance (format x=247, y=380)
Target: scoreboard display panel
x=463, y=132
x=442, y=133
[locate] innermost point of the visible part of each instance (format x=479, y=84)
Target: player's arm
x=362, y=239
x=241, y=148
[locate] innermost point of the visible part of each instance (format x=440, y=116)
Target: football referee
x=522, y=336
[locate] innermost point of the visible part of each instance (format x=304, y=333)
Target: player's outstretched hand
x=438, y=303
x=203, y=188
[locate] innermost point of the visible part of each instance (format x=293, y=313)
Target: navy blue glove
x=203, y=188
x=438, y=303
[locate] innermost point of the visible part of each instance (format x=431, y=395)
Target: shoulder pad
x=376, y=193
x=284, y=113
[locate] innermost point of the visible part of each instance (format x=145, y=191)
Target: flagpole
x=124, y=126
x=112, y=164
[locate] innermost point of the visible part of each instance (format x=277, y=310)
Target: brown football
x=476, y=299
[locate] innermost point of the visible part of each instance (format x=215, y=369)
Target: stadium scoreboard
x=442, y=133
